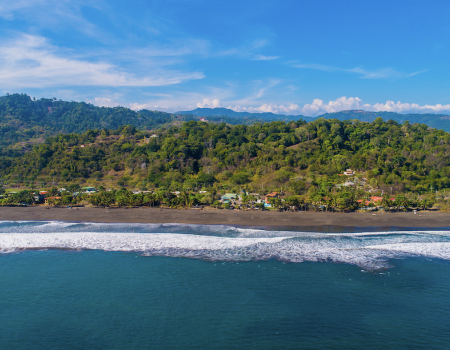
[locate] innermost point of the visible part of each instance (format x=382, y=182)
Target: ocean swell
x=370, y=250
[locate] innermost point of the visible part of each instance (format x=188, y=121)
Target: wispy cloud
x=31, y=62
x=265, y=58
x=249, y=51
x=54, y=14
x=383, y=73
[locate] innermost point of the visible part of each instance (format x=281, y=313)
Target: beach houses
x=40, y=196
x=377, y=200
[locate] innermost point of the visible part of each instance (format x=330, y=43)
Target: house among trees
x=267, y=198
x=376, y=199
x=272, y=195
x=349, y=172
x=48, y=200
x=40, y=196
x=89, y=189
x=227, y=197
x=147, y=139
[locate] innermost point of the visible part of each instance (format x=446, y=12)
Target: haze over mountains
x=24, y=121
x=219, y=111
x=439, y=121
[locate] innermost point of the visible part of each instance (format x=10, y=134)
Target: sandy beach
x=228, y=217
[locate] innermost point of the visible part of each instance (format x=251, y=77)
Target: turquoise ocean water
x=133, y=286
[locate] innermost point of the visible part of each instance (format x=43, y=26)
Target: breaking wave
x=369, y=250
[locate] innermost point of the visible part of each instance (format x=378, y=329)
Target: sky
x=289, y=57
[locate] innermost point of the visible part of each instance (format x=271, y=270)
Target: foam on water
x=225, y=243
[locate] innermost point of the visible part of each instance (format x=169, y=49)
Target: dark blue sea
x=134, y=286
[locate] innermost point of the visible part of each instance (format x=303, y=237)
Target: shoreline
x=227, y=217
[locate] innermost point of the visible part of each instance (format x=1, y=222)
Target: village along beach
x=217, y=175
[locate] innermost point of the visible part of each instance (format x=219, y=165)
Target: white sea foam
x=439, y=250
x=124, y=241
x=366, y=249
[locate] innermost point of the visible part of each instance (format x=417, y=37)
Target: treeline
x=317, y=200
x=292, y=157
x=439, y=121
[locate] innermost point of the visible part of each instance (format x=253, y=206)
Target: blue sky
x=290, y=57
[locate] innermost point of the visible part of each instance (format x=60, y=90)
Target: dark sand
x=228, y=217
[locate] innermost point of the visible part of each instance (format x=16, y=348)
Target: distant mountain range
x=219, y=112
x=25, y=121
x=439, y=121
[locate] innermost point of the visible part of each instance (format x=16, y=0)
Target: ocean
x=150, y=286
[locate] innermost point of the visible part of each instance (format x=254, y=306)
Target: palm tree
x=185, y=198
x=245, y=200
x=158, y=197
x=347, y=201
x=386, y=202
x=405, y=203
x=334, y=201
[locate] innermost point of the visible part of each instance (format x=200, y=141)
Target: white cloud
x=249, y=51
x=269, y=107
x=318, y=107
x=383, y=73
x=265, y=58
x=103, y=102
x=31, y=62
x=8, y=8
x=54, y=14
x=340, y=104
x=399, y=107
x=207, y=103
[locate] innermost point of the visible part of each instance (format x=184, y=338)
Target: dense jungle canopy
x=293, y=156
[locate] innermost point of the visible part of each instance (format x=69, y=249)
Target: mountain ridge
x=440, y=121
x=25, y=121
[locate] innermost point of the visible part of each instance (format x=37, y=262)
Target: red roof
x=273, y=194
x=376, y=199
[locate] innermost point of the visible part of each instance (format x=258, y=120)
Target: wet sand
x=228, y=217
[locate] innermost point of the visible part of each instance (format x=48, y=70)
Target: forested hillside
x=218, y=112
x=290, y=156
x=25, y=121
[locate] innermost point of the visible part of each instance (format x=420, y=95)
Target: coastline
x=226, y=217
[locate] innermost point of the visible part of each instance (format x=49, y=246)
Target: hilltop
x=218, y=112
